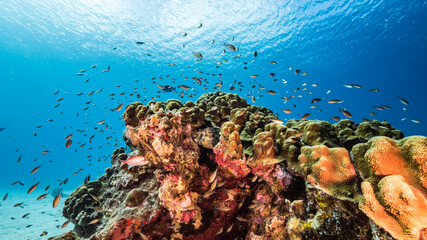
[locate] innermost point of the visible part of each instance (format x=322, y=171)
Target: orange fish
x=68, y=143
x=65, y=224
x=41, y=196
x=56, y=200
x=119, y=107
x=346, y=113
x=305, y=116
x=32, y=188
x=35, y=169
x=94, y=221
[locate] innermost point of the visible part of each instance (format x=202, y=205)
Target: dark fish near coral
x=94, y=197
x=336, y=118
x=305, y=116
x=2, y=129
x=65, y=224
x=5, y=196
x=139, y=42
x=94, y=221
x=119, y=107
x=346, y=113
x=255, y=54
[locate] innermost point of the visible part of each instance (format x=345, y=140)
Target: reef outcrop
x=220, y=168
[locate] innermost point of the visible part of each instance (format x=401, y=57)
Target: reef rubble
x=219, y=168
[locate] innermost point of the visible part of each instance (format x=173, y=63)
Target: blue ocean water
x=44, y=44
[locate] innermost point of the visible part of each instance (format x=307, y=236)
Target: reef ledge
x=219, y=168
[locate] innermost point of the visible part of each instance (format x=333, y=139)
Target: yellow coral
x=263, y=145
x=234, y=146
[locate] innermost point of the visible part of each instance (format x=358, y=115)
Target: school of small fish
x=191, y=85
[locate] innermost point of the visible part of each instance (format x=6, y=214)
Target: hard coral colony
x=220, y=168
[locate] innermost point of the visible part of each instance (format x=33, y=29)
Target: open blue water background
x=43, y=44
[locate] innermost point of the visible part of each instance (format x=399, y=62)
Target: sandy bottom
x=42, y=217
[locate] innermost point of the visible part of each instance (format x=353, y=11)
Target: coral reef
x=220, y=168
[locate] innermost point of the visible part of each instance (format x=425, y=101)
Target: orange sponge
x=397, y=207
x=329, y=169
x=395, y=184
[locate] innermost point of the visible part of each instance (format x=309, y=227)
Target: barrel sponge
x=382, y=156
x=397, y=207
x=329, y=169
